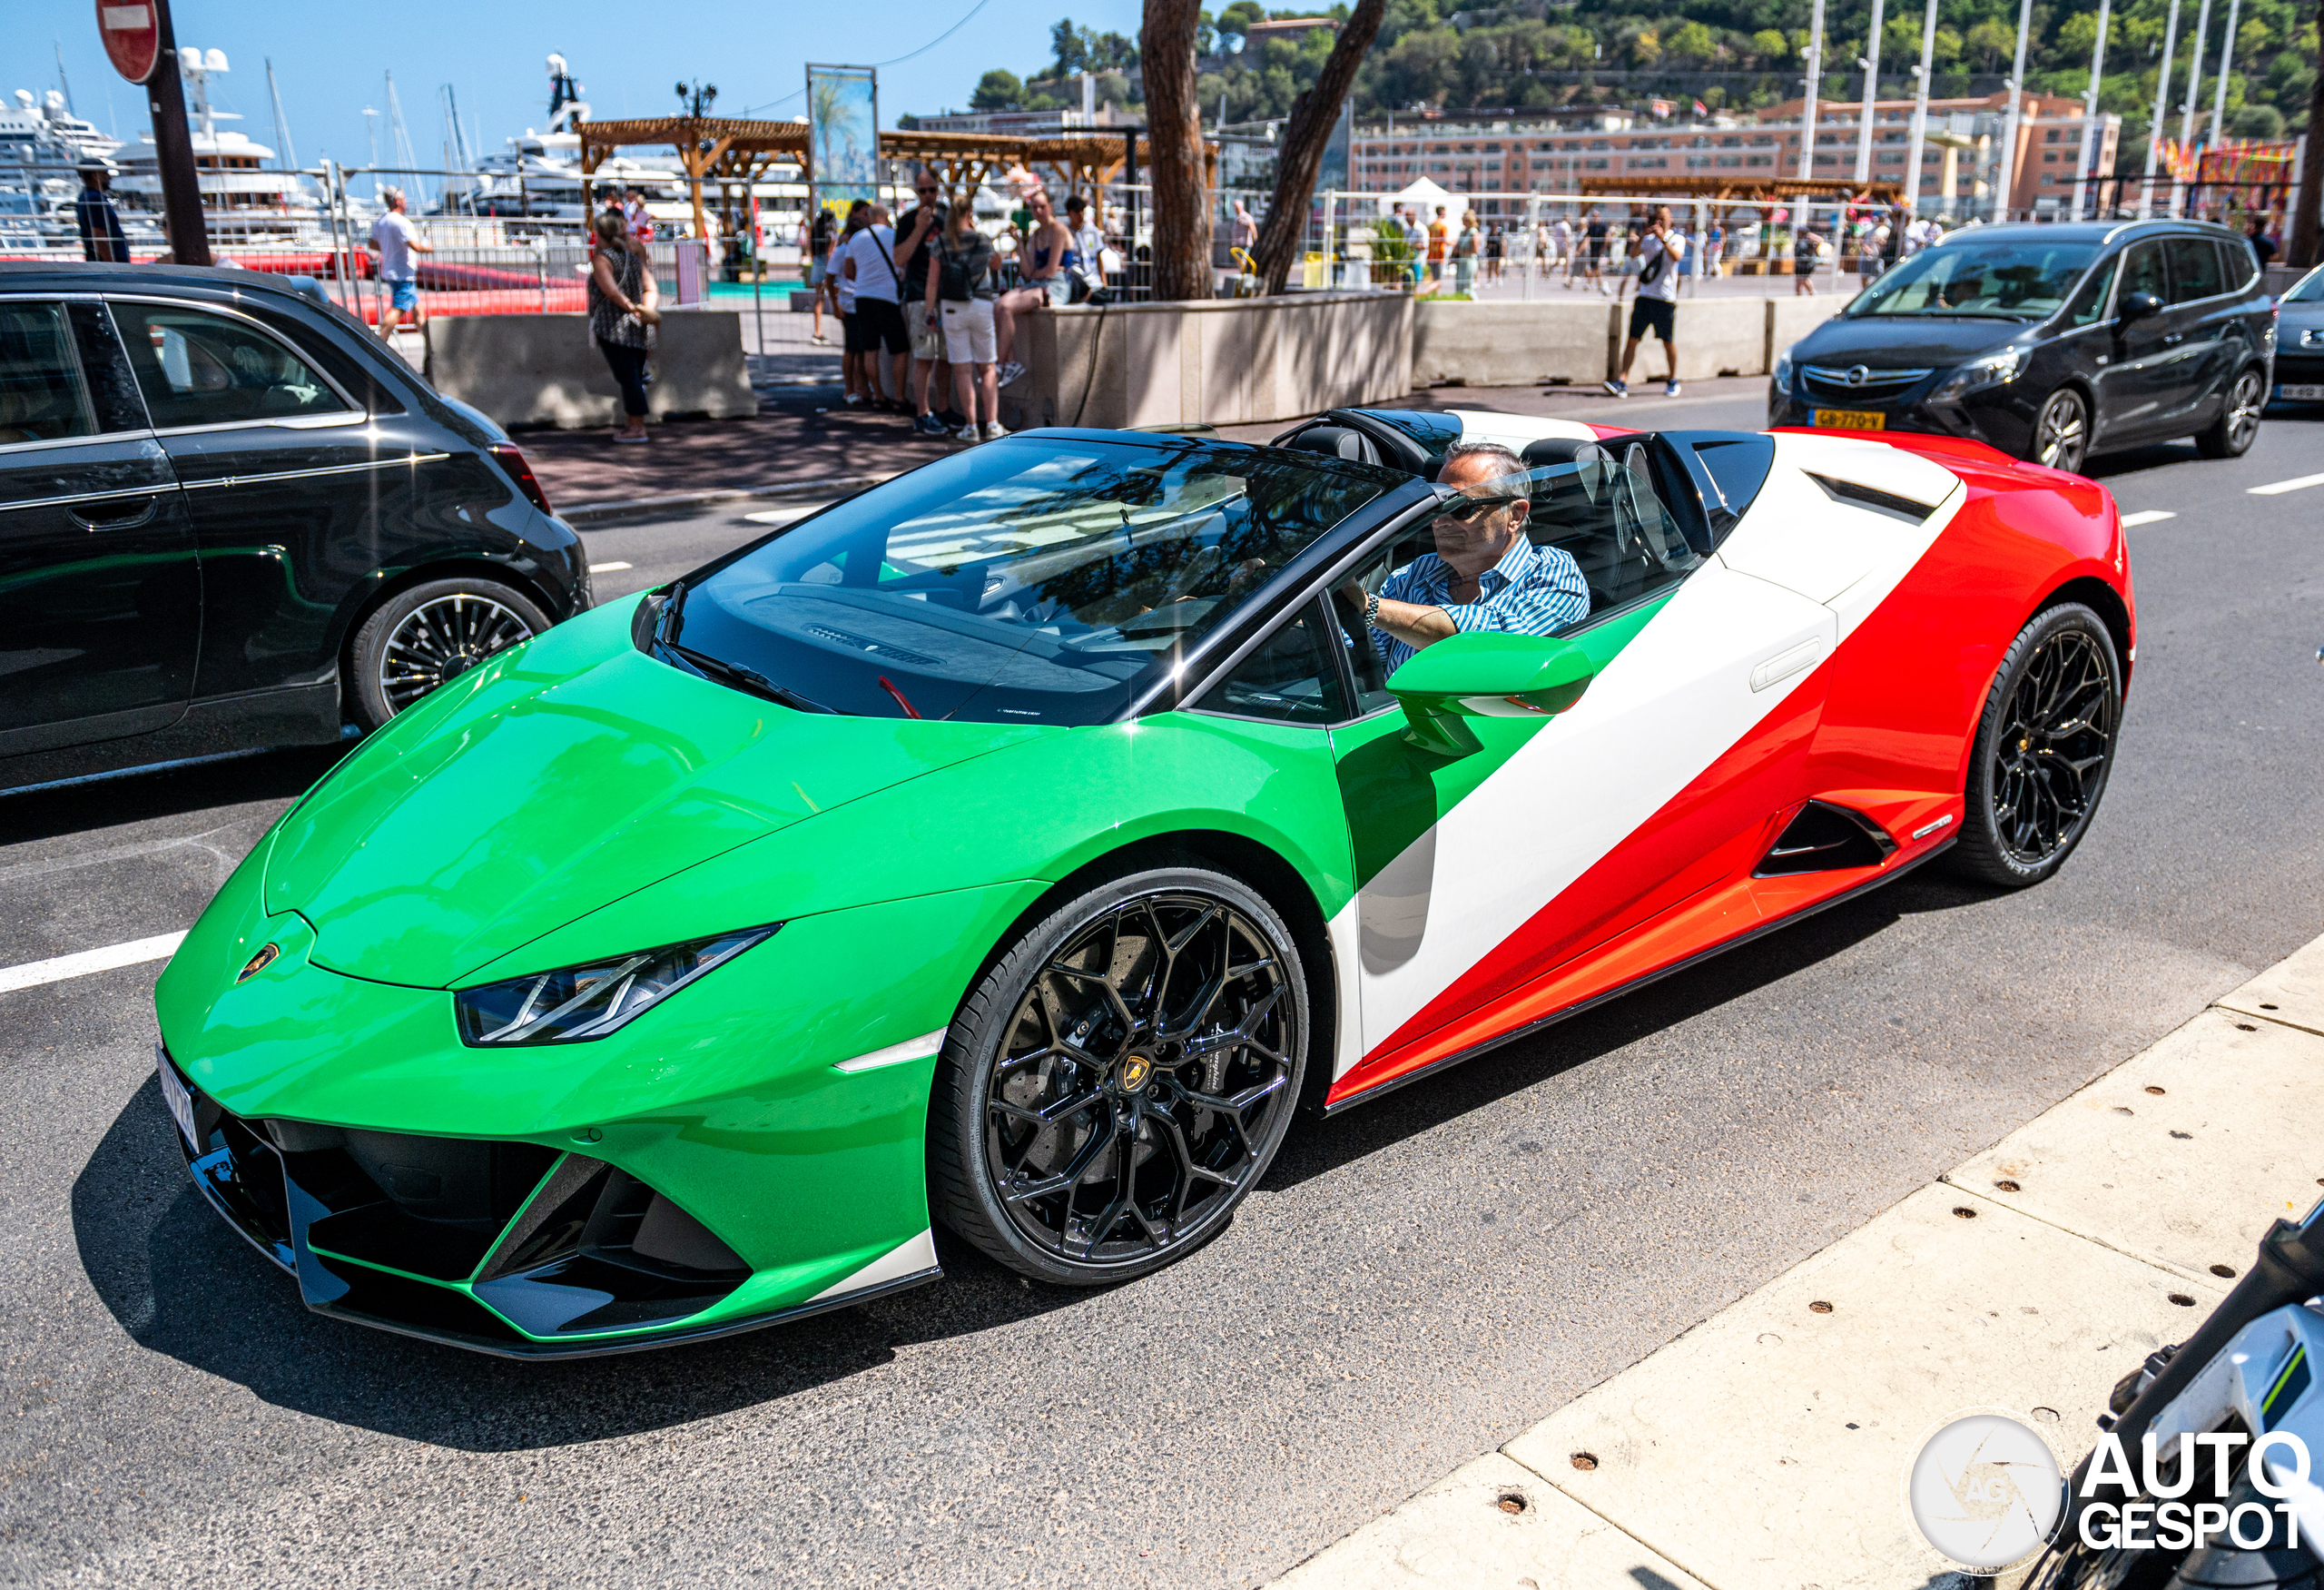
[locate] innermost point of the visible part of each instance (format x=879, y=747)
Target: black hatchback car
x=229, y=518
x=2051, y=343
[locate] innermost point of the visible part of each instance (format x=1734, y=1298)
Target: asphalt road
x=1415, y=1282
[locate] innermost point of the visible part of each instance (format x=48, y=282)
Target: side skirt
x=1383, y=1089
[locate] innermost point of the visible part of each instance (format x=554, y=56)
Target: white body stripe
x=1675, y=699
x=918, y=1048
x=906, y=1258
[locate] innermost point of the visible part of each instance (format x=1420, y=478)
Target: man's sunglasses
x=1462, y=510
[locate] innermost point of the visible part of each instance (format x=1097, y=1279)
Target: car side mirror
x=1486, y=675
x=2137, y=307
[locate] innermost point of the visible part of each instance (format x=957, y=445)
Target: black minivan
x=2051, y=343
x=229, y=518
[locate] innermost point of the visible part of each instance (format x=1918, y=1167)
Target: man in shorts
x=1593, y=249
x=395, y=240
x=1661, y=255
x=876, y=329
x=916, y=235
x=1439, y=244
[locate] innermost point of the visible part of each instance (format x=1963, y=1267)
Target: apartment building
x=1559, y=151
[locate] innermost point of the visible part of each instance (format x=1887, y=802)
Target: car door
x=297, y=495
x=2202, y=322
x=2136, y=390
x=100, y=588
x=1499, y=886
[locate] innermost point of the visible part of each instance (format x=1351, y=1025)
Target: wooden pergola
x=719, y=149
x=1079, y=162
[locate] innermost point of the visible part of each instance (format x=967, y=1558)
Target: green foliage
x=1530, y=55
x=997, y=90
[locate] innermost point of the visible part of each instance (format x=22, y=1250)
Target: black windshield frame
x=1366, y=492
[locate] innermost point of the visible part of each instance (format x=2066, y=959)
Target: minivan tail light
x=512, y=459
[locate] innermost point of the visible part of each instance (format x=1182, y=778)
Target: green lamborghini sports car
x=1021, y=844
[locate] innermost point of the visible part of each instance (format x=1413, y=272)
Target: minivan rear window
x=2194, y=269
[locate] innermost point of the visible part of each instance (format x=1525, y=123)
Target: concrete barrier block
x=1501, y=345
x=1225, y=361
x=544, y=370
x=1790, y=318
x=1716, y=336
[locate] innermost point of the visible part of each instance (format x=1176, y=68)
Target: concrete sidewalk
x=805, y=443
x=1767, y=1448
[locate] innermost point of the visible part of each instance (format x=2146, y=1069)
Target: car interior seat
x=1337, y=442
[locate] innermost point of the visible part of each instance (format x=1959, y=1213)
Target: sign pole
x=143, y=47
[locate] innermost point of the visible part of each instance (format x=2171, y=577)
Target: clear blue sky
x=330, y=59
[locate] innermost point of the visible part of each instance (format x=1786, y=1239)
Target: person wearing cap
x=101, y=239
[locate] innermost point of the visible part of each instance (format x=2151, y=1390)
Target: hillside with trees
x=1536, y=54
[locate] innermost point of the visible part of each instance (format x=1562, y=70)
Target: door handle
x=2174, y=340
x=121, y=521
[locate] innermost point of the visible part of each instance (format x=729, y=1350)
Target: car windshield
x=2012, y=279
x=2310, y=288
x=1042, y=579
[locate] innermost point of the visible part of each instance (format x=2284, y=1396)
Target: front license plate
x=1850, y=420
x=174, y=1095
x=2301, y=394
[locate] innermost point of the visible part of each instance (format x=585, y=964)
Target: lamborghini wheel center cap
x=1133, y=1073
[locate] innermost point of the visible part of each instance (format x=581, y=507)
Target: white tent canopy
x=1424, y=196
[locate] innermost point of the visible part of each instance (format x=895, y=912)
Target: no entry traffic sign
x=132, y=35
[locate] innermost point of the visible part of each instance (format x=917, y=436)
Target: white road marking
x=2153, y=516
x=56, y=969
x=2278, y=488
x=607, y=567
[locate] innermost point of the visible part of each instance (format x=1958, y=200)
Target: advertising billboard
x=843, y=134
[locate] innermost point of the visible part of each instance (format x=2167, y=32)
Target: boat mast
x=289, y=159
x=61, y=80
x=399, y=135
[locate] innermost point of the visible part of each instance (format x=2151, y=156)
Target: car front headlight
x=1783, y=371
x=580, y=1003
x=1990, y=371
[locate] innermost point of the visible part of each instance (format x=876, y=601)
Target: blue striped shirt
x=1532, y=590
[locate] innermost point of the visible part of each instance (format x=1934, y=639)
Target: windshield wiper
x=749, y=679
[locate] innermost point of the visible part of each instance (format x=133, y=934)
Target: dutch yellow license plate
x=1850, y=420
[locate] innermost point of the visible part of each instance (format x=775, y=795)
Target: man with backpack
x=1661, y=255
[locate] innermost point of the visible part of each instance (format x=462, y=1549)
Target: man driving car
x=1484, y=574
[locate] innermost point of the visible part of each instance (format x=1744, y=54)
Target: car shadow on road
x=183, y=1284
x=111, y=801
x=1314, y=1148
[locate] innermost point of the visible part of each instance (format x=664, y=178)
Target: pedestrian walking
x=641, y=224
x=1632, y=234
x=1493, y=247
x=395, y=240
x=1043, y=282
x=2261, y=245
x=1593, y=249
x=1561, y=250
x=1464, y=257
x=917, y=232
x=960, y=298
x=1807, y=248
x=102, y=239
x=815, y=241
x=854, y=366
x=1660, y=255
x=1246, y=227
x=1440, y=243
x=876, y=329
x=1415, y=244
x=623, y=302
x=1714, y=248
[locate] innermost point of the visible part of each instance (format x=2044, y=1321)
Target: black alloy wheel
x=421, y=638
x=1121, y=1078
x=2045, y=747
x=2062, y=432
x=2231, y=435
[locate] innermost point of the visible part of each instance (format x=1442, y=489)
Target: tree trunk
x=1305, y=136
x=2299, y=237
x=1165, y=46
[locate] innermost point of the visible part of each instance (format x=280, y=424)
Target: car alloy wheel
x=2062, y=432
x=2043, y=749
x=2231, y=435
x=421, y=638
x=1121, y=1078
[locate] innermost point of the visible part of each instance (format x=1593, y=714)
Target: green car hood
x=555, y=779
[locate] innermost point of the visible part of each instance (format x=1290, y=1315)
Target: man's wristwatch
x=1372, y=610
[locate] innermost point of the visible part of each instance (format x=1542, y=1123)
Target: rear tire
x=2231, y=435
x=2061, y=437
x=2045, y=746
x=420, y=639
x=1121, y=1078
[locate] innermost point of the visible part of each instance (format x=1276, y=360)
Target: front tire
x=2231, y=435
x=1120, y=1079
x=420, y=639
x=2061, y=432
x=2045, y=746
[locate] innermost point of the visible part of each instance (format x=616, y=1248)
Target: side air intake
x=1826, y=838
